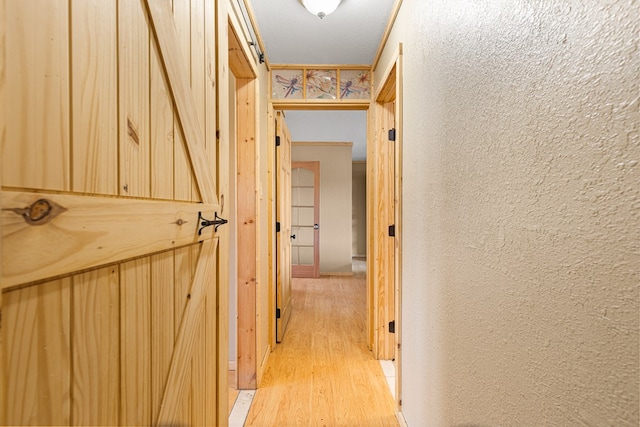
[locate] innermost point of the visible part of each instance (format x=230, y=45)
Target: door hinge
x=392, y=327
x=392, y=134
x=392, y=230
x=277, y=141
x=277, y=227
x=277, y=313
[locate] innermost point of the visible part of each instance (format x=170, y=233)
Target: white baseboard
x=401, y=420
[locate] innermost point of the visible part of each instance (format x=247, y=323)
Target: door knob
x=293, y=236
x=316, y=226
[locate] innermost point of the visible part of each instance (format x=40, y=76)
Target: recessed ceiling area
x=330, y=126
x=350, y=35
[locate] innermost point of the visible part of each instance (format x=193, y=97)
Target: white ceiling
x=350, y=35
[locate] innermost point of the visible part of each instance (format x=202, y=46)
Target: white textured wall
x=359, y=209
x=335, y=202
x=521, y=249
x=334, y=126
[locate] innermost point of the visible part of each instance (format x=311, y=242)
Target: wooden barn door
x=109, y=310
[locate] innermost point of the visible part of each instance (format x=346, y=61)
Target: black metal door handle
x=293, y=236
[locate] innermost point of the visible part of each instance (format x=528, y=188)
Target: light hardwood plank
x=95, y=97
x=96, y=358
x=38, y=365
x=323, y=372
x=36, y=154
x=92, y=231
x=135, y=339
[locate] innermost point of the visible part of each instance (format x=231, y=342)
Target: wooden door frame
x=315, y=166
x=391, y=91
x=247, y=238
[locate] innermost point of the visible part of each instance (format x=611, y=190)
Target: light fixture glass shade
x=321, y=8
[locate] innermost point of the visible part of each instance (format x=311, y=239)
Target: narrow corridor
x=323, y=373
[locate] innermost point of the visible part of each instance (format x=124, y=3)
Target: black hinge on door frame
x=392, y=230
x=277, y=313
x=392, y=134
x=277, y=227
x=392, y=327
x=277, y=141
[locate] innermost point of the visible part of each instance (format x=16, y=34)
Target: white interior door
x=305, y=208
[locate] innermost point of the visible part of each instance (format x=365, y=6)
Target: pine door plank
x=184, y=348
x=184, y=263
x=133, y=61
x=162, y=130
x=93, y=231
x=95, y=97
x=37, y=350
x=162, y=325
x=36, y=152
x=135, y=342
x=165, y=32
x=184, y=179
x=96, y=350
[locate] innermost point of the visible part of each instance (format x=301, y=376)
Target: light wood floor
x=323, y=373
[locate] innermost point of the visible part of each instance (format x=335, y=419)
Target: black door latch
x=204, y=223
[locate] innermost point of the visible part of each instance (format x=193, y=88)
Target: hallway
x=323, y=373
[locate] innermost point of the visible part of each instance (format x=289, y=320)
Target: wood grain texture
x=37, y=350
x=36, y=154
x=165, y=33
x=184, y=178
x=183, y=351
x=92, y=231
x=323, y=373
x=162, y=325
x=94, y=69
x=399, y=226
x=135, y=343
x=184, y=269
x=283, y=216
x=162, y=130
x=216, y=310
x=3, y=127
x=247, y=229
x=95, y=337
x=223, y=169
x=133, y=63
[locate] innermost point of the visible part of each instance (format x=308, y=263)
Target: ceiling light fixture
x=321, y=8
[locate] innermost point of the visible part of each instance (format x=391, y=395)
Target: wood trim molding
x=387, y=32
